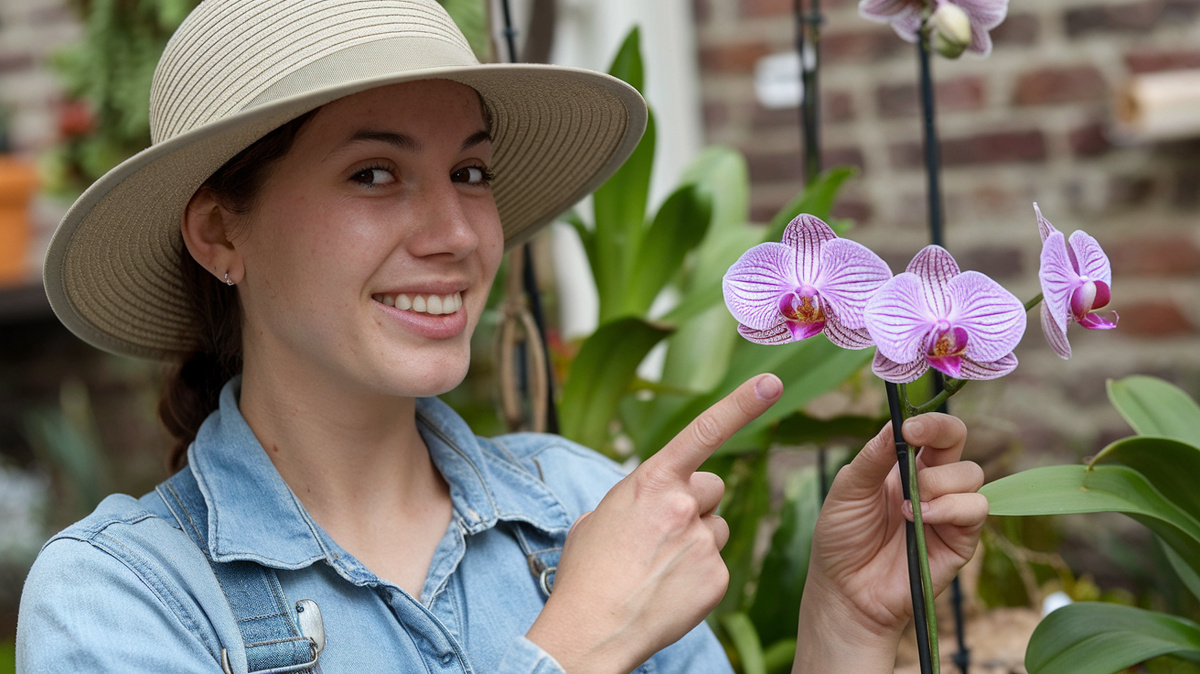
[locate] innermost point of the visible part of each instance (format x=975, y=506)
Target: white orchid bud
x=950, y=30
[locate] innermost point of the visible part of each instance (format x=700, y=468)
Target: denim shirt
x=125, y=590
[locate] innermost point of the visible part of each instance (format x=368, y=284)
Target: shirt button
x=447, y=658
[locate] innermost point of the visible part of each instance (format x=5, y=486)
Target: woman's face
x=370, y=250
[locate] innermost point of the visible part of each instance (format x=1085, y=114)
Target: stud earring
x=228, y=281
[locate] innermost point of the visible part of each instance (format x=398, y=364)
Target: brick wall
x=1026, y=124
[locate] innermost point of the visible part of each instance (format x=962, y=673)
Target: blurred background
x=1039, y=120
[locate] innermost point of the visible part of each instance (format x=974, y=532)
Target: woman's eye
x=472, y=175
x=373, y=177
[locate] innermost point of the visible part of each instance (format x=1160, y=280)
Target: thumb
x=871, y=467
x=576, y=523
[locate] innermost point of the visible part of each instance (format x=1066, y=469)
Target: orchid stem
x=919, y=581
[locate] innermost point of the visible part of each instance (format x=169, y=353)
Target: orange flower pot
x=18, y=182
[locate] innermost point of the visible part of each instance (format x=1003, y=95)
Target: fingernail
x=768, y=387
x=908, y=511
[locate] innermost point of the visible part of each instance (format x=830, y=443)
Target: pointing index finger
x=695, y=443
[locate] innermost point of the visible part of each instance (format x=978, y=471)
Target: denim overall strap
x=273, y=642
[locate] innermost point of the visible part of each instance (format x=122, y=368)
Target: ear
x=206, y=229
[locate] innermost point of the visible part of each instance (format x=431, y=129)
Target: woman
x=312, y=238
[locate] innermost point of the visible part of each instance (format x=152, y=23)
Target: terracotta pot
x=18, y=182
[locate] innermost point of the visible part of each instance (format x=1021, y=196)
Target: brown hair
x=192, y=388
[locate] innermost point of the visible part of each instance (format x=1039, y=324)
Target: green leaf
x=1171, y=466
x=779, y=656
x=722, y=171
x=800, y=428
x=776, y=606
x=1060, y=490
x=1107, y=638
x=1189, y=576
x=627, y=64
x=1155, y=407
x=745, y=642
x=600, y=374
x=699, y=351
x=817, y=199
x=586, y=237
x=746, y=503
x=620, y=216
x=678, y=227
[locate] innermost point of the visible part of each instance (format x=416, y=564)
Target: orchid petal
x=754, y=284
x=993, y=370
x=1058, y=278
x=847, y=338
x=907, y=24
x=898, y=373
x=950, y=366
x=801, y=331
x=777, y=334
x=993, y=317
x=1056, y=336
x=850, y=275
x=805, y=235
x=897, y=318
x=1103, y=295
x=935, y=266
x=1097, y=322
x=985, y=13
x=981, y=40
x=1093, y=263
x=1044, y=226
x=882, y=10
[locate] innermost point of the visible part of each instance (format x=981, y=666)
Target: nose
x=445, y=227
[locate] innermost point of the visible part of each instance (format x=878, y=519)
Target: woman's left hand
x=858, y=583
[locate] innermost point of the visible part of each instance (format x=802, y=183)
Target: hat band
x=358, y=66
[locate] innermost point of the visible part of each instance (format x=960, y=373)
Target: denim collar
x=253, y=514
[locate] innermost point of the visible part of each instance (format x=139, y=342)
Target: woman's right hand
x=644, y=567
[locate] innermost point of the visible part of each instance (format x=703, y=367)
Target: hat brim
x=112, y=268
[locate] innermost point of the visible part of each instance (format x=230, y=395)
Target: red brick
x=963, y=93
x=1017, y=30
x=784, y=7
x=1147, y=61
x=1155, y=255
x=1130, y=17
x=863, y=46
x=702, y=11
x=1152, y=318
x=858, y=210
x=998, y=262
x=782, y=167
x=1061, y=85
x=738, y=57
x=987, y=148
x=1125, y=191
x=716, y=113
x=836, y=107
x=1089, y=140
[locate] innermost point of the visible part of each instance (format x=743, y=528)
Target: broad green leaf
x=807, y=368
x=1171, y=466
x=620, y=216
x=779, y=656
x=817, y=199
x=745, y=642
x=678, y=227
x=1155, y=407
x=601, y=374
x=699, y=351
x=723, y=172
x=627, y=64
x=800, y=428
x=1189, y=576
x=644, y=419
x=776, y=606
x=1060, y=490
x=746, y=503
x=1107, y=638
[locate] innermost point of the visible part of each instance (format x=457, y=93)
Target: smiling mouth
x=435, y=305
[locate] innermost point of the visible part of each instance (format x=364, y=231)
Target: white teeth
x=435, y=305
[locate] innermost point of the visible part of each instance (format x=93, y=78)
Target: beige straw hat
x=237, y=69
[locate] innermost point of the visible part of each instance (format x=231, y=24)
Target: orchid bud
x=950, y=30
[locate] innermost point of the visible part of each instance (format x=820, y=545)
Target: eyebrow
x=406, y=142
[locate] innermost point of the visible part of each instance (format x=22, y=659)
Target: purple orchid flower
x=906, y=17
x=812, y=282
x=963, y=324
x=1076, y=280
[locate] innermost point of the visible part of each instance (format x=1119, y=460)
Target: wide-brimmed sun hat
x=237, y=69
